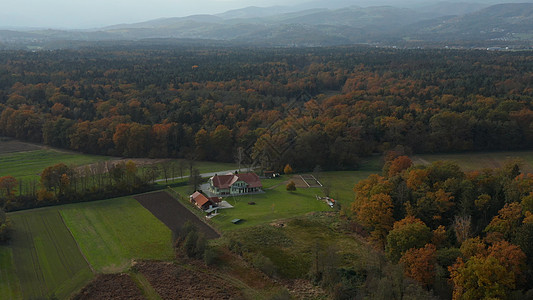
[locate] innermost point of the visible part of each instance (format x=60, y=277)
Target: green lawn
x=112, y=232
x=341, y=184
x=46, y=257
x=272, y=205
x=277, y=203
x=9, y=283
x=28, y=165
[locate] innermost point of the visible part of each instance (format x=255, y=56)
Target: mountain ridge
x=279, y=26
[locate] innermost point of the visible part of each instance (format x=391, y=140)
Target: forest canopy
x=306, y=107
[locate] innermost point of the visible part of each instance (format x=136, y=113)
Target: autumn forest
x=325, y=109
x=343, y=103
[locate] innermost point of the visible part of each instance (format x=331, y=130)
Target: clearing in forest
x=470, y=161
x=29, y=165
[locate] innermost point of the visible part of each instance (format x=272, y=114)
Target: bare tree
x=239, y=157
x=152, y=172
x=195, y=179
x=165, y=169
x=463, y=227
x=181, y=167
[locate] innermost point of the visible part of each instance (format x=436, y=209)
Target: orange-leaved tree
x=419, y=264
x=7, y=185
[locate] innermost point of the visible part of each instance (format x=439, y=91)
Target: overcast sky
x=94, y=13
x=80, y=14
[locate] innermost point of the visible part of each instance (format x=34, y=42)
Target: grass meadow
x=111, y=233
x=26, y=161
x=29, y=165
x=45, y=255
x=470, y=161
x=9, y=282
x=54, y=250
x=293, y=247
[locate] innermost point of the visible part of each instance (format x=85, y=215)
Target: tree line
x=61, y=184
x=326, y=106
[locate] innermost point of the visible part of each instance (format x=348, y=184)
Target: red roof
x=215, y=199
x=251, y=179
x=225, y=181
x=199, y=198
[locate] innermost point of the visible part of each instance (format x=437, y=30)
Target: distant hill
x=255, y=12
x=282, y=26
x=451, y=8
x=512, y=21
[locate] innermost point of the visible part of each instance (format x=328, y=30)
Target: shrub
x=291, y=186
x=211, y=256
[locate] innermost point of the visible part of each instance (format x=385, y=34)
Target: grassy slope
x=292, y=248
x=9, y=282
x=46, y=256
x=479, y=160
x=113, y=232
x=28, y=165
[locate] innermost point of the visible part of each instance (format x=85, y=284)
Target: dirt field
x=300, y=184
x=16, y=146
x=172, y=213
x=311, y=180
x=110, y=286
x=171, y=281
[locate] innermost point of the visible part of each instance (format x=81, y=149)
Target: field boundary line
x=75, y=241
x=306, y=177
x=305, y=181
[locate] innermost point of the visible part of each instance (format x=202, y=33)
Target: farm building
x=270, y=174
x=235, y=184
x=201, y=201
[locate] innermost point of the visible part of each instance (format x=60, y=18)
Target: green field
x=479, y=160
x=28, y=165
x=112, y=232
x=46, y=257
x=9, y=283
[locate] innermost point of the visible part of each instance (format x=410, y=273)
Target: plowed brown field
x=171, y=281
x=172, y=213
x=110, y=286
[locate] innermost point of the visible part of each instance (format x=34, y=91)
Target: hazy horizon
x=85, y=14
